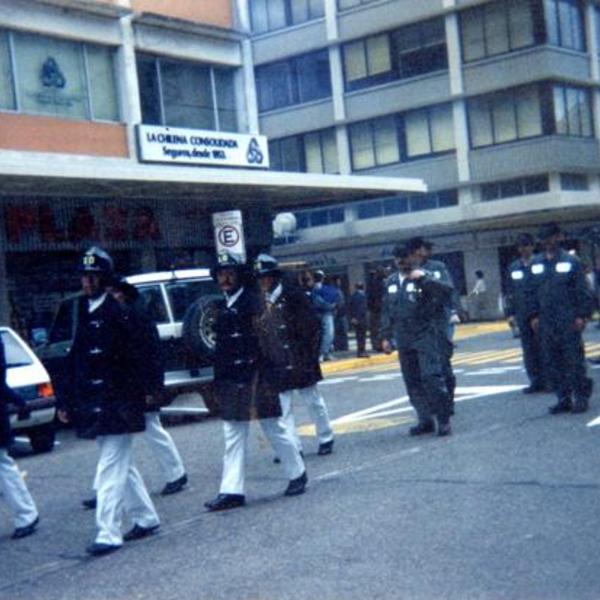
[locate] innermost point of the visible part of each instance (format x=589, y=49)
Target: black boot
x=297, y=486
x=225, y=502
x=422, y=428
x=562, y=406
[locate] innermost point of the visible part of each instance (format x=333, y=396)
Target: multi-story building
x=495, y=104
x=128, y=123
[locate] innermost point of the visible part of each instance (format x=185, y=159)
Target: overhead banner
x=229, y=234
x=194, y=146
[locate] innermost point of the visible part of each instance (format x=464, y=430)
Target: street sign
x=229, y=233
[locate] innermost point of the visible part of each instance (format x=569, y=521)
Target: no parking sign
x=229, y=233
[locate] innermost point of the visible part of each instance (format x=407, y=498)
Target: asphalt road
x=507, y=507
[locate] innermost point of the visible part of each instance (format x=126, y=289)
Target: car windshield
x=182, y=294
x=16, y=355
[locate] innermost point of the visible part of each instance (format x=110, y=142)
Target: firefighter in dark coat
x=241, y=391
x=560, y=304
x=289, y=339
x=106, y=402
x=413, y=306
x=12, y=485
x=516, y=308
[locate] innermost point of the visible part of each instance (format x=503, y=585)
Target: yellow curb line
x=468, y=330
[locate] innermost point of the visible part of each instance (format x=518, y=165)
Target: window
x=574, y=182
x=319, y=218
x=153, y=303
x=572, y=111
x=314, y=152
x=373, y=209
x=374, y=143
x=564, y=24
x=57, y=77
x=268, y=15
x=505, y=116
x=183, y=294
x=183, y=94
x=496, y=28
x=510, y=188
x=368, y=59
x=407, y=52
x=294, y=81
x=429, y=131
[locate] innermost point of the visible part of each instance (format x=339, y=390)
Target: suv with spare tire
x=182, y=303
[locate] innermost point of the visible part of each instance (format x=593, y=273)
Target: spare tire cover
x=199, y=324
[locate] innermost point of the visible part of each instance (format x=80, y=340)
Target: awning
x=65, y=176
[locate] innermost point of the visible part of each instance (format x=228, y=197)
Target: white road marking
x=382, y=377
x=335, y=380
x=594, y=422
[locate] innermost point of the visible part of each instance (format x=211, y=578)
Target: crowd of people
x=271, y=334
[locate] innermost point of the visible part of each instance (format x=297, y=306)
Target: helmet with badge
x=96, y=260
x=266, y=265
x=227, y=260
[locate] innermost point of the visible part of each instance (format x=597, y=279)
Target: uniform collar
x=231, y=300
x=95, y=303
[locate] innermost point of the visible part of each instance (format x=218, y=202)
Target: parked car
x=26, y=375
x=182, y=304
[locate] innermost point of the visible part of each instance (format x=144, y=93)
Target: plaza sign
x=192, y=146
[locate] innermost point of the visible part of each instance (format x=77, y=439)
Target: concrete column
x=343, y=149
x=129, y=85
x=249, y=83
x=591, y=30
x=459, y=112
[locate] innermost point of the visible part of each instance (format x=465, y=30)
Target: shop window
x=574, y=182
x=294, y=81
x=505, y=116
x=57, y=77
x=402, y=204
x=183, y=94
x=406, y=52
x=269, y=15
x=496, y=28
x=572, y=111
x=564, y=24
x=320, y=218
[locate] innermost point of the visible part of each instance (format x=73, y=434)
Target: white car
x=28, y=377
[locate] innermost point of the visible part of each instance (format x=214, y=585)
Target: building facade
x=494, y=104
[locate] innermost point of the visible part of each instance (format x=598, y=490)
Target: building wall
x=206, y=12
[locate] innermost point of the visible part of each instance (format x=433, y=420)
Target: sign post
x=229, y=233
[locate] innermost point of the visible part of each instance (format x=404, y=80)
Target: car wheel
x=42, y=439
x=199, y=325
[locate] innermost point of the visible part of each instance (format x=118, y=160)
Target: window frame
x=576, y=8
x=82, y=50
x=155, y=60
x=289, y=15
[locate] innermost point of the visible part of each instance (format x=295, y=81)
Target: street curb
x=463, y=332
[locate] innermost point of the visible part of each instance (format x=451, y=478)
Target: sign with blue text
x=194, y=146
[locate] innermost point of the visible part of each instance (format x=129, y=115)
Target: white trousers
x=163, y=447
x=120, y=487
x=317, y=409
x=15, y=491
x=236, y=441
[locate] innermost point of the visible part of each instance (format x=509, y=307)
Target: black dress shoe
x=90, y=503
x=563, y=406
x=225, y=502
x=444, y=430
x=138, y=532
x=533, y=389
x=21, y=532
x=422, y=428
x=97, y=549
x=580, y=406
x=325, y=448
x=174, y=486
x=297, y=486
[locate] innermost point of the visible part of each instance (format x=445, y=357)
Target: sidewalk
x=347, y=361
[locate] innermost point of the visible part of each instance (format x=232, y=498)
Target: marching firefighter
x=106, y=402
x=560, y=305
x=413, y=307
x=289, y=339
x=517, y=301
x=241, y=392
x=12, y=485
